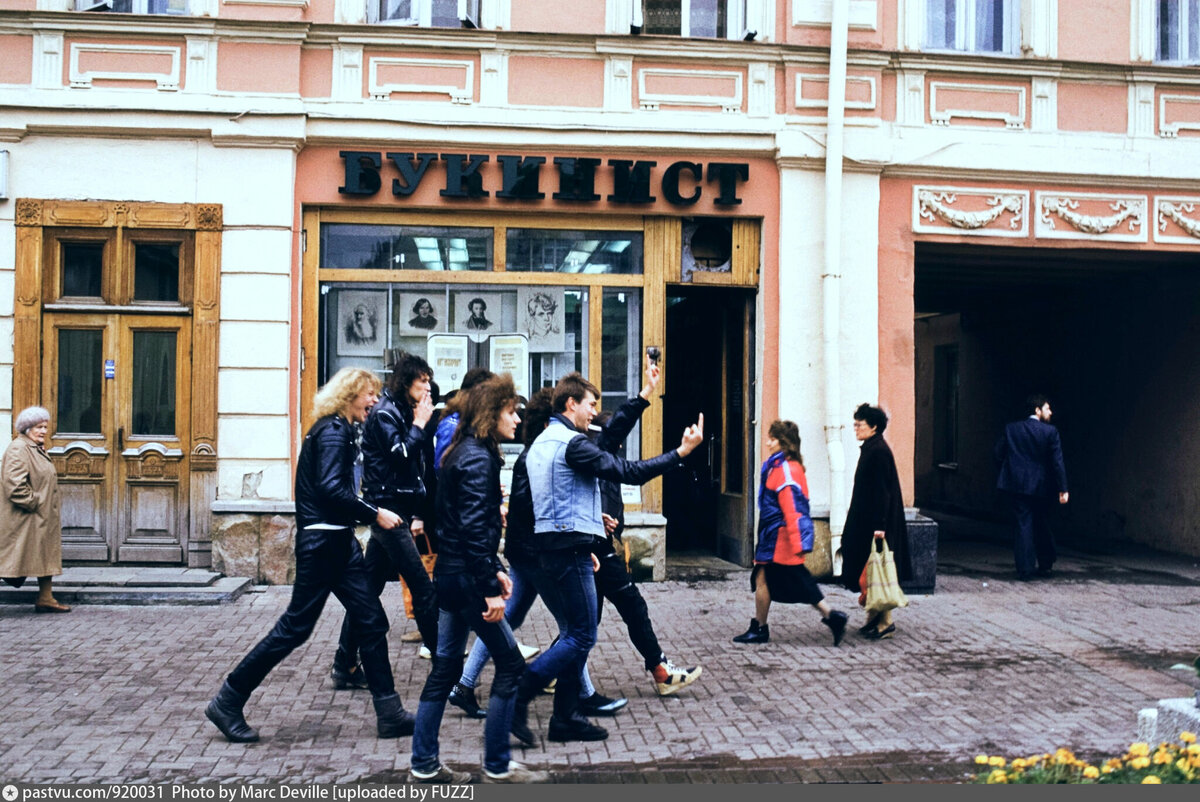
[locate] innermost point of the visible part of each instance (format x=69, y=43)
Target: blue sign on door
x=110, y=368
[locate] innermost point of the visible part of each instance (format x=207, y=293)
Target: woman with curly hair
x=472, y=587
x=785, y=535
x=328, y=560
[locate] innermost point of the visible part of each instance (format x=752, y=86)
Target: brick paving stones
x=987, y=664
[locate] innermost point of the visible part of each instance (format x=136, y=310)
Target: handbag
x=429, y=560
x=880, y=583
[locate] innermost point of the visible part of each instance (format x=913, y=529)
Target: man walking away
x=1029, y=454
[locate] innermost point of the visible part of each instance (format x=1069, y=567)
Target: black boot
x=392, y=720
x=225, y=710
x=343, y=679
x=527, y=689
x=837, y=625
x=463, y=698
x=757, y=633
x=576, y=728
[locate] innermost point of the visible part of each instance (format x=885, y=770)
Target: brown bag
x=882, y=588
x=429, y=560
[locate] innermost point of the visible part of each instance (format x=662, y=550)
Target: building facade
x=209, y=206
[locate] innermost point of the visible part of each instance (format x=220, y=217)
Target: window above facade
x=712, y=19
x=972, y=26
x=179, y=7
x=1178, y=31
x=425, y=13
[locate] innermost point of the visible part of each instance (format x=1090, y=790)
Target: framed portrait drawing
x=420, y=313
x=541, y=316
x=477, y=314
x=361, y=317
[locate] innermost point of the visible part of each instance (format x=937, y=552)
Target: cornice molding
x=949, y=175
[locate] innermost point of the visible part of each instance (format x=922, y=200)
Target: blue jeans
x=569, y=589
x=524, y=594
x=460, y=611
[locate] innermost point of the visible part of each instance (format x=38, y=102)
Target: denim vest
x=563, y=499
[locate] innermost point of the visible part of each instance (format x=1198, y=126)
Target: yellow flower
x=997, y=761
x=1091, y=772
x=1162, y=757
x=981, y=759
x=1019, y=763
x=1139, y=749
x=997, y=777
x=1187, y=737
x=1151, y=780
x=1193, y=749
x=1140, y=762
x=1107, y=769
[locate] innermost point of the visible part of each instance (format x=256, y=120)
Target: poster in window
x=541, y=316
x=447, y=355
x=477, y=314
x=360, y=317
x=510, y=354
x=420, y=313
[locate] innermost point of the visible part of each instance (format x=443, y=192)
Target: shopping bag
x=429, y=560
x=882, y=586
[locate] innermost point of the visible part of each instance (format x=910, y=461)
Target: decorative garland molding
x=980, y=213
x=1170, y=210
x=1129, y=213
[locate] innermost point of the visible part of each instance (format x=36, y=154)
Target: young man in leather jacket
x=328, y=560
x=398, y=474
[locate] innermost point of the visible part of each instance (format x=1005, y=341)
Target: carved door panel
x=81, y=403
x=153, y=441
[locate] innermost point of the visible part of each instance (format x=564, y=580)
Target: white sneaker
x=516, y=773
x=528, y=651
x=424, y=653
x=669, y=679
x=440, y=775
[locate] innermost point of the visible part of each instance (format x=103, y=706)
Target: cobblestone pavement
x=986, y=664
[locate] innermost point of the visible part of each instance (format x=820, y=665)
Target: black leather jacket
x=519, y=541
x=612, y=439
x=468, y=512
x=325, y=477
x=395, y=472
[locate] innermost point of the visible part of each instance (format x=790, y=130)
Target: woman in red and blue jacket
x=785, y=535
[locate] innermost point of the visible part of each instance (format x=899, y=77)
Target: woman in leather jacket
x=397, y=473
x=328, y=560
x=472, y=586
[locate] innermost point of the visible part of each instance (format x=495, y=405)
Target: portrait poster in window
x=360, y=320
x=510, y=354
x=477, y=314
x=420, y=313
x=447, y=355
x=541, y=316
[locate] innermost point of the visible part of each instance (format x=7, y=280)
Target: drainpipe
x=831, y=279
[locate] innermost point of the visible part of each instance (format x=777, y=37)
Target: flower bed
x=1168, y=763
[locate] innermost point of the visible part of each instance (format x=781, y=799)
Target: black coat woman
x=876, y=511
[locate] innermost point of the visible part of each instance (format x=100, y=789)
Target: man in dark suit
x=1031, y=473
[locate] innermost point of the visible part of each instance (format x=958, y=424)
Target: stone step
x=134, y=585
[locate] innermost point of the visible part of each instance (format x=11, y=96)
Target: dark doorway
x=1110, y=336
x=709, y=367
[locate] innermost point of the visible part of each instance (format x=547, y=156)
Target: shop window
x=714, y=19
x=178, y=7
x=385, y=247
x=556, y=251
x=973, y=26
x=1179, y=30
x=536, y=332
x=425, y=13
x=117, y=267
x=622, y=361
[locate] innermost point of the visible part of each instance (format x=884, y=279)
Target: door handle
x=120, y=439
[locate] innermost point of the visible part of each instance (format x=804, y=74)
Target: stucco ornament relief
x=938, y=204
x=1131, y=210
x=1174, y=212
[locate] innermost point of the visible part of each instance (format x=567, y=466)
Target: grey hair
x=30, y=417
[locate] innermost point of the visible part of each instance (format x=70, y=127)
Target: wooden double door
x=118, y=387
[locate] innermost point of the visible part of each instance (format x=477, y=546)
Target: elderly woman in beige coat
x=30, y=521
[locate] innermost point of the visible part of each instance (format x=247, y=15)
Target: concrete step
x=134, y=585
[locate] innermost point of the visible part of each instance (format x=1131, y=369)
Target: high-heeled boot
x=757, y=633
